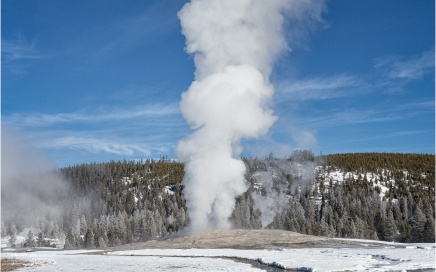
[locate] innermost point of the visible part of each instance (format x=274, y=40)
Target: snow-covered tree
x=13, y=238
x=30, y=240
x=89, y=238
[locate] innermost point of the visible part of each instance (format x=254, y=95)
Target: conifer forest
x=379, y=196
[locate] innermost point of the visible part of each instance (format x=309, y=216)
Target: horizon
x=88, y=82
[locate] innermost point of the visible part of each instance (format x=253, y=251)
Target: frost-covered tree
x=70, y=241
x=389, y=228
x=89, y=238
x=13, y=238
x=429, y=229
x=83, y=225
x=40, y=240
x=30, y=240
x=417, y=222
x=3, y=229
x=102, y=243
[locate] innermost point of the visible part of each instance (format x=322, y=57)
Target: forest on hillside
x=380, y=196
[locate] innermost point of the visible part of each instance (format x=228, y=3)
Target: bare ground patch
x=11, y=264
x=235, y=238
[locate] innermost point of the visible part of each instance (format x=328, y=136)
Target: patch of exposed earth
x=238, y=239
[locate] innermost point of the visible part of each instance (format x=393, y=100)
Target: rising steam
x=32, y=193
x=234, y=44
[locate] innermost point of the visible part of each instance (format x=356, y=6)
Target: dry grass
x=236, y=238
x=9, y=264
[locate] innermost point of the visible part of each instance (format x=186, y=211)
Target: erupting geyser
x=234, y=43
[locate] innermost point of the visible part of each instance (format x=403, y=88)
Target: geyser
x=234, y=43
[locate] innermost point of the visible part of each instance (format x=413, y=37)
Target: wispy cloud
x=396, y=67
x=388, y=135
x=19, y=49
x=92, y=116
x=376, y=114
x=17, y=54
x=97, y=145
x=347, y=117
x=139, y=131
x=320, y=88
x=392, y=73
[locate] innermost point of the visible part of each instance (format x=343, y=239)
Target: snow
x=75, y=260
x=339, y=176
x=168, y=189
x=362, y=257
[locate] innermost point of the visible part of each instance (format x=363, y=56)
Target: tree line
x=382, y=196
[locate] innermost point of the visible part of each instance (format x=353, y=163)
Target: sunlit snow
x=383, y=257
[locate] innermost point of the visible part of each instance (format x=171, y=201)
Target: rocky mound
x=235, y=238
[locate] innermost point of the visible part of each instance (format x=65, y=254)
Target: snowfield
x=364, y=257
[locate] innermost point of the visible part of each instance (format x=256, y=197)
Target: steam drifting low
x=234, y=44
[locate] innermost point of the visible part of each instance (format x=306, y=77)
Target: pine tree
x=389, y=229
x=3, y=229
x=101, y=243
x=41, y=241
x=181, y=218
x=89, y=238
x=70, y=242
x=13, y=238
x=429, y=229
x=30, y=240
x=83, y=225
x=418, y=221
x=56, y=233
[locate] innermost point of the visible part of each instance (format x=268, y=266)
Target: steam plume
x=32, y=193
x=234, y=44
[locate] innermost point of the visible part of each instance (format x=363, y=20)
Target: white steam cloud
x=32, y=193
x=234, y=44
x=270, y=204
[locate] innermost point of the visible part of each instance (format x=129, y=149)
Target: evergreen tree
x=417, y=222
x=70, y=242
x=429, y=229
x=3, y=229
x=13, y=238
x=101, y=243
x=30, y=240
x=389, y=229
x=89, y=238
x=40, y=240
x=83, y=225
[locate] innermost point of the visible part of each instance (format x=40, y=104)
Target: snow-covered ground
x=383, y=257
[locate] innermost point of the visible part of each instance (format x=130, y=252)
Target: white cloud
x=20, y=49
x=413, y=68
x=91, y=116
x=319, y=88
x=304, y=138
x=98, y=145
x=392, y=73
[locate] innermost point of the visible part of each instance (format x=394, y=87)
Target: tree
x=56, y=233
x=83, y=225
x=13, y=238
x=89, y=238
x=3, y=229
x=101, y=243
x=30, y=240
x=41, y=241
x=429, y=229
x=418, y=221
x=70, y=241
x=389, y=229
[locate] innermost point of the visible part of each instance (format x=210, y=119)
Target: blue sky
x=98, y=80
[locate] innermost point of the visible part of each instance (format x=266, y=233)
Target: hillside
x=378, y=196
